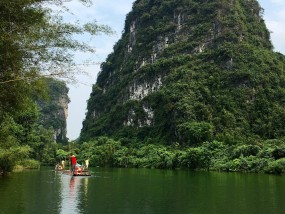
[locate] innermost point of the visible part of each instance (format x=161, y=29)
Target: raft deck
x=83, y=173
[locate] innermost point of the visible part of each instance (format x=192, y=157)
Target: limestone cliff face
x=175, y=61
x=54, y=110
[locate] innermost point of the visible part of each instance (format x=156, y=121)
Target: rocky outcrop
x=54, y=110
x=173, y=66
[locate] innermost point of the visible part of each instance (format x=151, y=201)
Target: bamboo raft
x=76, y=173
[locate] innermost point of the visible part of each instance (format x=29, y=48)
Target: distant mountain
x=190, y=71
x=53, y=111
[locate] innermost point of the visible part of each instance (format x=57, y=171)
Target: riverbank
x=265, y=157
x=26, y=165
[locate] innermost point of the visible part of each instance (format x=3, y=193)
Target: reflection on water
x=86, y=186
x=141, y=191
x=71, y=193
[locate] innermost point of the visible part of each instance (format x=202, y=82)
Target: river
x=145, y=191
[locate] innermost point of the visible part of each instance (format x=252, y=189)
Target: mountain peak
x=189, y=71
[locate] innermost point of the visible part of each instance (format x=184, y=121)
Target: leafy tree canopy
x=35, y=42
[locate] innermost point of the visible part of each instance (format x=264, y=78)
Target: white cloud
x=279, y=2
x=277, y=29
x=119, y=6
x=101, y=10
x=276, y=25
x=275, y=22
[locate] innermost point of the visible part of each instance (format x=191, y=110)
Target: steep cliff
x=189, y=71
x=53, y=111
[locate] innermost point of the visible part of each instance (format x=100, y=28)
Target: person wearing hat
x=73, y=163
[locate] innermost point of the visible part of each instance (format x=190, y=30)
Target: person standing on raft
x=87, y=163
x=73, y=163
x=63, y=164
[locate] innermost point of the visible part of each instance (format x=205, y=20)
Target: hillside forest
x=190, y=85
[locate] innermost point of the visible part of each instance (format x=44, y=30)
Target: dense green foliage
x=267, y=156
x=190, y=84
x=220, y=79
x=33, y=134
x=35, y=43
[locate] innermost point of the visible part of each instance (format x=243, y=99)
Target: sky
x=113, y=14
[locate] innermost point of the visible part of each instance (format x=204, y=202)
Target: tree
x=35, y=42
x=39, y=41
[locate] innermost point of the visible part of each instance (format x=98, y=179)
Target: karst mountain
x=190, y=71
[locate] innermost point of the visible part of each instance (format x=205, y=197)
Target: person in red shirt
x=73, y=163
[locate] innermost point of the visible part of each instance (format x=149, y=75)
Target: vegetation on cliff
x=53, y=111
x=189, y=71
x=190, y=84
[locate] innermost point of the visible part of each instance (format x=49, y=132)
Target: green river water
x=135, y=191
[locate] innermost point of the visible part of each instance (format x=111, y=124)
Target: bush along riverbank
x=27, y=164
x=268, y=156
